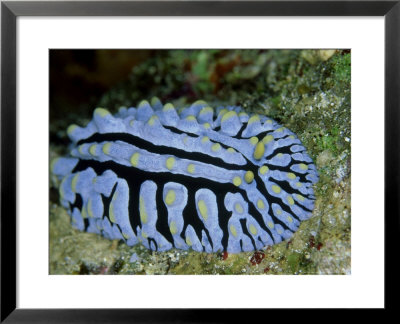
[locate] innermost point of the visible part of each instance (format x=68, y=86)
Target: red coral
x=257, y=257
x=224, y=255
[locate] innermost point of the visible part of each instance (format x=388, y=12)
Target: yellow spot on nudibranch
x=270, y=224
x=228, y=115
x=154, y=101
x=291, y=175
x=170, y=197
x=231, y=150
x=101, y=112
x=111, y=212
x=205, y=139
x=290, y=200
x=106, y=148
x=290, y=219
x=83, y=212
x=216, y=147
x=269, y=121
x=190, y=118
x=170, y=163
x=206, y=125
x=125, y=235
x=259, y=151
x=172, y=228
x=276, y=189
x=237, y=181
x=303, y=166
x=252, y=229
x=71, y=129
x=92, y=149
x=232, y=228
x=203, y=209
x=142, y=210
x=168, y=107
x=188, y=241
x=264, y=169
x=200, y=102
x=52, y=164
x=238, y=208
x=253, y=140
x=206, y=110
x=191, y=168
x=278, y=211
x=80, y=149
x=279, y=155
x=152, y=120
x=253, y=119
x=144, y=234
x=135, y=159
x=243, y=114
x=279, y=130
x=223, y=112
x=291, y=137
x=74, y=182
x=143, y=103
x=249, y=176
x=89, y=208
x=300, y=197
x=279, y=231
x=260, y=204
x=298, y=184
x=268, y=139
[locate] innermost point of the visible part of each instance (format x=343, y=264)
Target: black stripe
x=160, y=149
x=107, y=201
x=179, y=131
x=77, y=203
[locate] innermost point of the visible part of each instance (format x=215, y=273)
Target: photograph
x=200, y=161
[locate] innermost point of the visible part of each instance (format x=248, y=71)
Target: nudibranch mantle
x=201, y=178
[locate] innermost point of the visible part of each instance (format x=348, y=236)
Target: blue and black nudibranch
x=201, y=178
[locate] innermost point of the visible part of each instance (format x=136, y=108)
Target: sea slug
x=198, y=177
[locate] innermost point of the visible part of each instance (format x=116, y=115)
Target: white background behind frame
x=363, y=288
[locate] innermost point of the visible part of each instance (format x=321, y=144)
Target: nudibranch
x=197, y=177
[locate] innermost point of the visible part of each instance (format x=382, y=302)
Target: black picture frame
x=10, y=10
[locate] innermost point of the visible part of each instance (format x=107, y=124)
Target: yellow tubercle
x=135, y=159
x=276, y=189
x=216, y=147
x=253, y=140
x=172, y=227
x=142, y=210
x=228, y=115
x=170, y=197
x=92, y=149
x=232, y=228
x=203, y=209
x=260, y=204
x=191, y=168
x=259, y=151
x=249, y=177
x=237, y=181
x=106, y=148
x=102, y=112
x=168, y=106
x=169, y=163
x=252, y=229
x=239, y=208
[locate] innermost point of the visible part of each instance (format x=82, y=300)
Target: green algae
x=307, y=91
